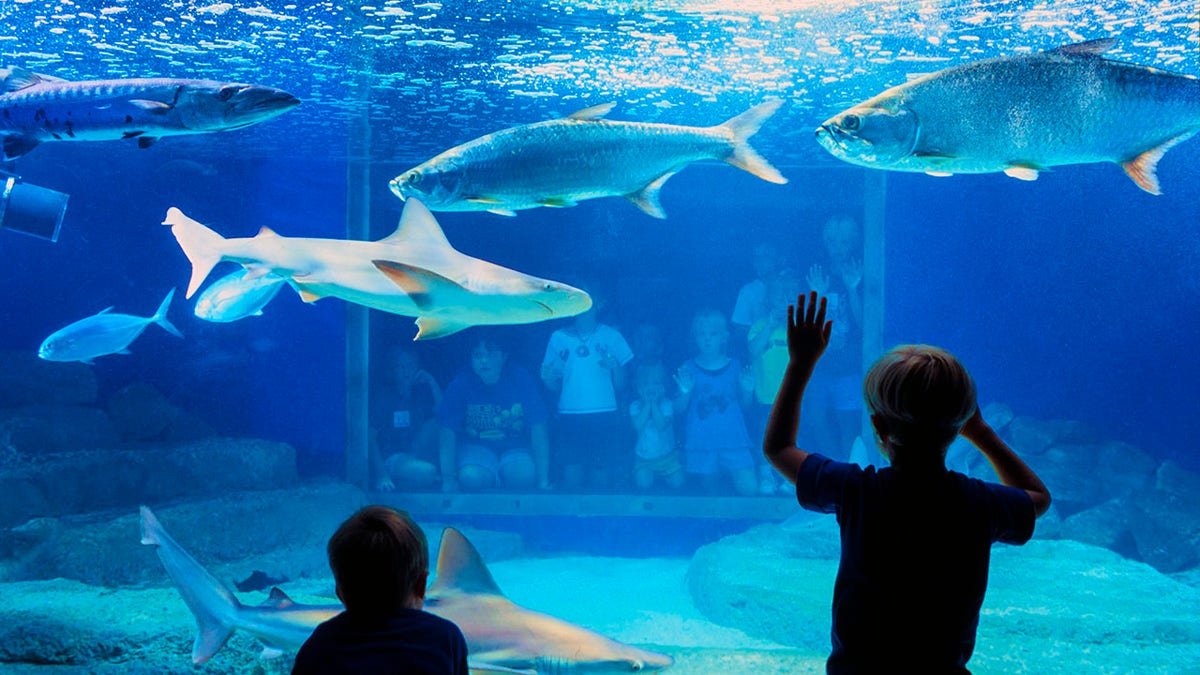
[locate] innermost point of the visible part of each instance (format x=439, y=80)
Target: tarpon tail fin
x=1143, y=169
x=745, y=157
x=461, y=568
x=160, y=316
x=212, y=603
x=200, y=244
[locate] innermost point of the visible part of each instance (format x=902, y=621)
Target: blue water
x=1075, y=296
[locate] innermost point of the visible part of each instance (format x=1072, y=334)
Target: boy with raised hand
x=916, y=538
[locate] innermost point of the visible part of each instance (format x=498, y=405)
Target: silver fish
x=238, y=295
x=35, y=108
x=102, y=334
x=1022, y=115
x=561, y=162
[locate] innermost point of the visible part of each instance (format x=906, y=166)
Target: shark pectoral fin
x=503, y=212
x=481, y=668
x=646, y=199
x=557, y=202
x=594, y=112
x=1022, y=172
x=146, y=141
x=1143, y=169
x=418, y=283
x=16, y=145
x=151, y=106
x=939, y=174
x=432, y=327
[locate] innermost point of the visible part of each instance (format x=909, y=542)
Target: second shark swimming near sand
x=502, y=636
x=414, y=271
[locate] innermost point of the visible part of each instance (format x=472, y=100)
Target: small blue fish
x=102, y=334
x=238, y=295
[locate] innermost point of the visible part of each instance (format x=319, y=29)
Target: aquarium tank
x=522, y=271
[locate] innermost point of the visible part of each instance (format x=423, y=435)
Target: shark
x=414, y=272
x=502, y=636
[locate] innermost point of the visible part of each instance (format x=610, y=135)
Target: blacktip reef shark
x=414, y=271
x=502, y=637
x=35, y=108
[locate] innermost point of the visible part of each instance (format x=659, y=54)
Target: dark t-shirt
x=412, y=642
x=497, y=416
x=914, y=565
x=397, y=418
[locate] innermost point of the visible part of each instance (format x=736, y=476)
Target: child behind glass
x=713, y=390
x=653, y=417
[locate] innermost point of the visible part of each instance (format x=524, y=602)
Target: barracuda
x=1021, y=115
x=36, y=108
x=560, y=162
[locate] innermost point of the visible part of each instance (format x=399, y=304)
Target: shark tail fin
x=201, y=245
x=742, y=155
x=160, y=316
x=212, y=603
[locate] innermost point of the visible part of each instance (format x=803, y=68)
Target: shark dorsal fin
x=417, y=225
x=460, y=568
x=265, y=231
x=1095, y=47
x=592, y=112
x=278, y=599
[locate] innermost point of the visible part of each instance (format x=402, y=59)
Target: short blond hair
x=923, y=396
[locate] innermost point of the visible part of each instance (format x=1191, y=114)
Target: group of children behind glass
x=693, y=427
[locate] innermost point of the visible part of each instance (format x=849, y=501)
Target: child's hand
x=852, y=274
x=684, y=380
x=973, y=427
x=808, y=331
x=817, y=280
x=746, y=378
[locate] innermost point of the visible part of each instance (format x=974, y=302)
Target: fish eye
x=851, y=122
x=227, y=93
x=547, y=286
x=413, y=177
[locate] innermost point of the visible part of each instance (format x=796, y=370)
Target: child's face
x=488, y=362
x=710, y=337
x=650, y=384
x=405, y=367
x=766, y=261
